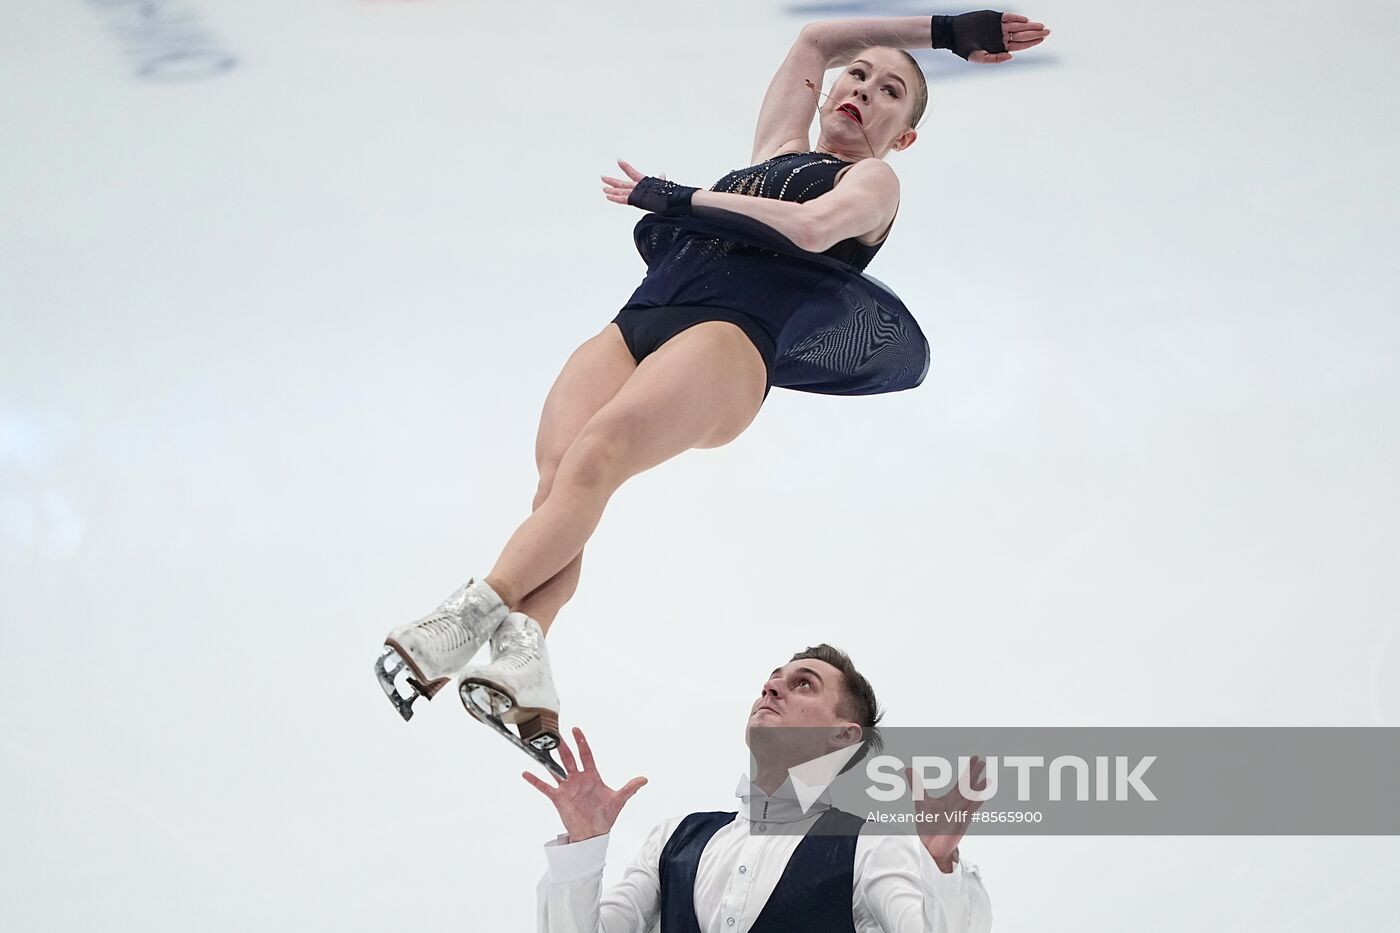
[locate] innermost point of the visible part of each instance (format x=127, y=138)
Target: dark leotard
x=819, y=324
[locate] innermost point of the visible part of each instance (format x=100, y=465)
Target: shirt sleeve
x=899, y=886
x=570, y=898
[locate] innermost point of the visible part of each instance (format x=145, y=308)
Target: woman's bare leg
x=591, y=377
x=702, y=388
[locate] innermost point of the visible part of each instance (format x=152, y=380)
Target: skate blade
x=480, y=701
x=398, y=683
x=539, y=728
x=488, y=699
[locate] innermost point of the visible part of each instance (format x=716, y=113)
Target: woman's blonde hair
x=920, y=92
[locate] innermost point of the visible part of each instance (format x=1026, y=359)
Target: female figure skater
x=753, y=283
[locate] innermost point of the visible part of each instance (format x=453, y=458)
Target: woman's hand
x=650, y=193
x=618, y=189
x=587, y=806
x=1017, y=33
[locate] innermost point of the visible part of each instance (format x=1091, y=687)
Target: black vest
x=813, y=895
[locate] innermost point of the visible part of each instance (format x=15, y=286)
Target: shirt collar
x=782, y=807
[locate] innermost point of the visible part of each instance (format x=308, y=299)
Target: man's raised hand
x=586, y=805
x=948, y=817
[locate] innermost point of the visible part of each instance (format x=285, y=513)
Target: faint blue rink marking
x=167, y=39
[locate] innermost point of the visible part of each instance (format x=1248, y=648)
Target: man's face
x=802, y=693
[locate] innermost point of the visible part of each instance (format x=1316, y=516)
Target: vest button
x=743, y=869
x=730, y=921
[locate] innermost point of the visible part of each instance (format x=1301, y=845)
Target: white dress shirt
x=898, y=888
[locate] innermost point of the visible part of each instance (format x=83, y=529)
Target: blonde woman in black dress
x=753, y=283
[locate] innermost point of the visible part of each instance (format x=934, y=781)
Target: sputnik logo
x=811, y=778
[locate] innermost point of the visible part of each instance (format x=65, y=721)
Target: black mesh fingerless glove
x=968, y=32
x=658, y=194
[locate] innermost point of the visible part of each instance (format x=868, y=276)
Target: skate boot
x=419, y=658
x=517, y=687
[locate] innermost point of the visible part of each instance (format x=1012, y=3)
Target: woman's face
x=871, y=101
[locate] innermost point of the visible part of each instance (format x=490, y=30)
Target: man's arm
x=914, y=883
x=899, y=886
x=570, y=894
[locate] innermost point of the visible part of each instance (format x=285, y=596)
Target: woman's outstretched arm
x=861, y=204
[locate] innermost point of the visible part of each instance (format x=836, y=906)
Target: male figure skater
x=771, y=867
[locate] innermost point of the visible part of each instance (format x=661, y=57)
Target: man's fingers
x=631, y=787
x=974, y=778
x=566, y=755
x=979, y=774
x=1022, y=46
x=584, y=752
x=1022, y=26
x=538, y=785
x=632, y=173
x=1012, y=18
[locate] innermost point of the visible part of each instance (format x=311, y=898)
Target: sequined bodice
x=798, y=176
x=693, y=268
x=792, y=176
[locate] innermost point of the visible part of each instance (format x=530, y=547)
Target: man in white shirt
x=774, y=866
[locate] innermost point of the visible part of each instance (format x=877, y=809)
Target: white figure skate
x=423, y=656
x=517, y=687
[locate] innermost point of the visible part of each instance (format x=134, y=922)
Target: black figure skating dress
x=819, y=322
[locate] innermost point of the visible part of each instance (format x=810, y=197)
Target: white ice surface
x=256, y=329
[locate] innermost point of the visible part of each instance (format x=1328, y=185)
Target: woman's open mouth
x=851, y=111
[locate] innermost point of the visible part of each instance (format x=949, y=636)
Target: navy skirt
x=845, y=333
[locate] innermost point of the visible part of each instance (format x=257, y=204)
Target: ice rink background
x=274, y=342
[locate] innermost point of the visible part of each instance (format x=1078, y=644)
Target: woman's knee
x=729, y=426
x=548, y=467
x=542, y=491
x=732, y=418
x=597, y=458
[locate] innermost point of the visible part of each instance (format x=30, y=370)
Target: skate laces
x=445, y=632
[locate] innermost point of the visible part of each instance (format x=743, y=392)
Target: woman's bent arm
x=862, y=203
x=840, y=39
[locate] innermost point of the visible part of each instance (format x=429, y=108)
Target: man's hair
x=857, y=697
